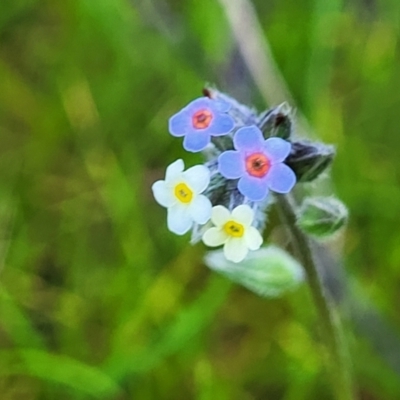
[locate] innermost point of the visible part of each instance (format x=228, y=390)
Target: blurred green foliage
x=97, y=299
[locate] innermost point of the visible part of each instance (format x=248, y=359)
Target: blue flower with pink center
x=199, y=120
x=258, y=164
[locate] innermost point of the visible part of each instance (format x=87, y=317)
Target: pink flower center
x=257, y=164
x=202, y=119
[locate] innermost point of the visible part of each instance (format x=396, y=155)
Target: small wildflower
x=234, y=231
x=180, y=194
x=199, y=120
x=258, y=164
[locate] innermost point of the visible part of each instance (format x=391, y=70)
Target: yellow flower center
x=183, y=193
x=234, y=229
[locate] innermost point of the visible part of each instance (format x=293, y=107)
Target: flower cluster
x=248, y=155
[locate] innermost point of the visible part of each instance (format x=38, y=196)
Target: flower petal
x=196, y=141
x=253, y=238
x=221, y=106
x=255, y=189
x=231, y=164
x=215, y=105
x=235, y=249
x=243, y=214
x=248, y=138
x=277, y=149
x=220, y=215
x=221, y=124
x=174, y=171
x=200, y=209
x=163, y=194
x=178, y=124
x=198, y=178
x=214, y=237
x=179, y=220
x=281, y=178
x=199, y=104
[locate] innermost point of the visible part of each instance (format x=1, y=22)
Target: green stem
x=258, y=57
x=337, y=359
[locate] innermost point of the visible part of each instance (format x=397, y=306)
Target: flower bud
x=308, y=160
x=276, y=122
x=321, y=217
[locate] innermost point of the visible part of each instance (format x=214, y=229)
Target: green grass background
x=97, y=299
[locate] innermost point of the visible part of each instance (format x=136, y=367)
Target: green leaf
x=15, y=322
x=59, y=369
x=188, y=324
x=268, y=272
x=321, y=217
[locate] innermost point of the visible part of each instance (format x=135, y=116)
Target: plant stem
x=337, y=359
x=256, y=53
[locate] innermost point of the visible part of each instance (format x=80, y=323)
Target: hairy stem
x=256, y=53
x=337, y=359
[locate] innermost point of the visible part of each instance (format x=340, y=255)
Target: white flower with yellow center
x=234, y=231
x=180, y=194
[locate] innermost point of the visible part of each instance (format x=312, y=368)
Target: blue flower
x=258, y=164
x=199, y=120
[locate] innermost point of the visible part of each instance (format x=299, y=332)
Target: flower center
x=234, y=229
x=257, y=165
x=202, y=119
x=183, y=193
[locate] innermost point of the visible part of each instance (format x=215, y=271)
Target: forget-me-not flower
x=258, y=164
x=199, y=120
x=180, y=193
x=234, y=231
